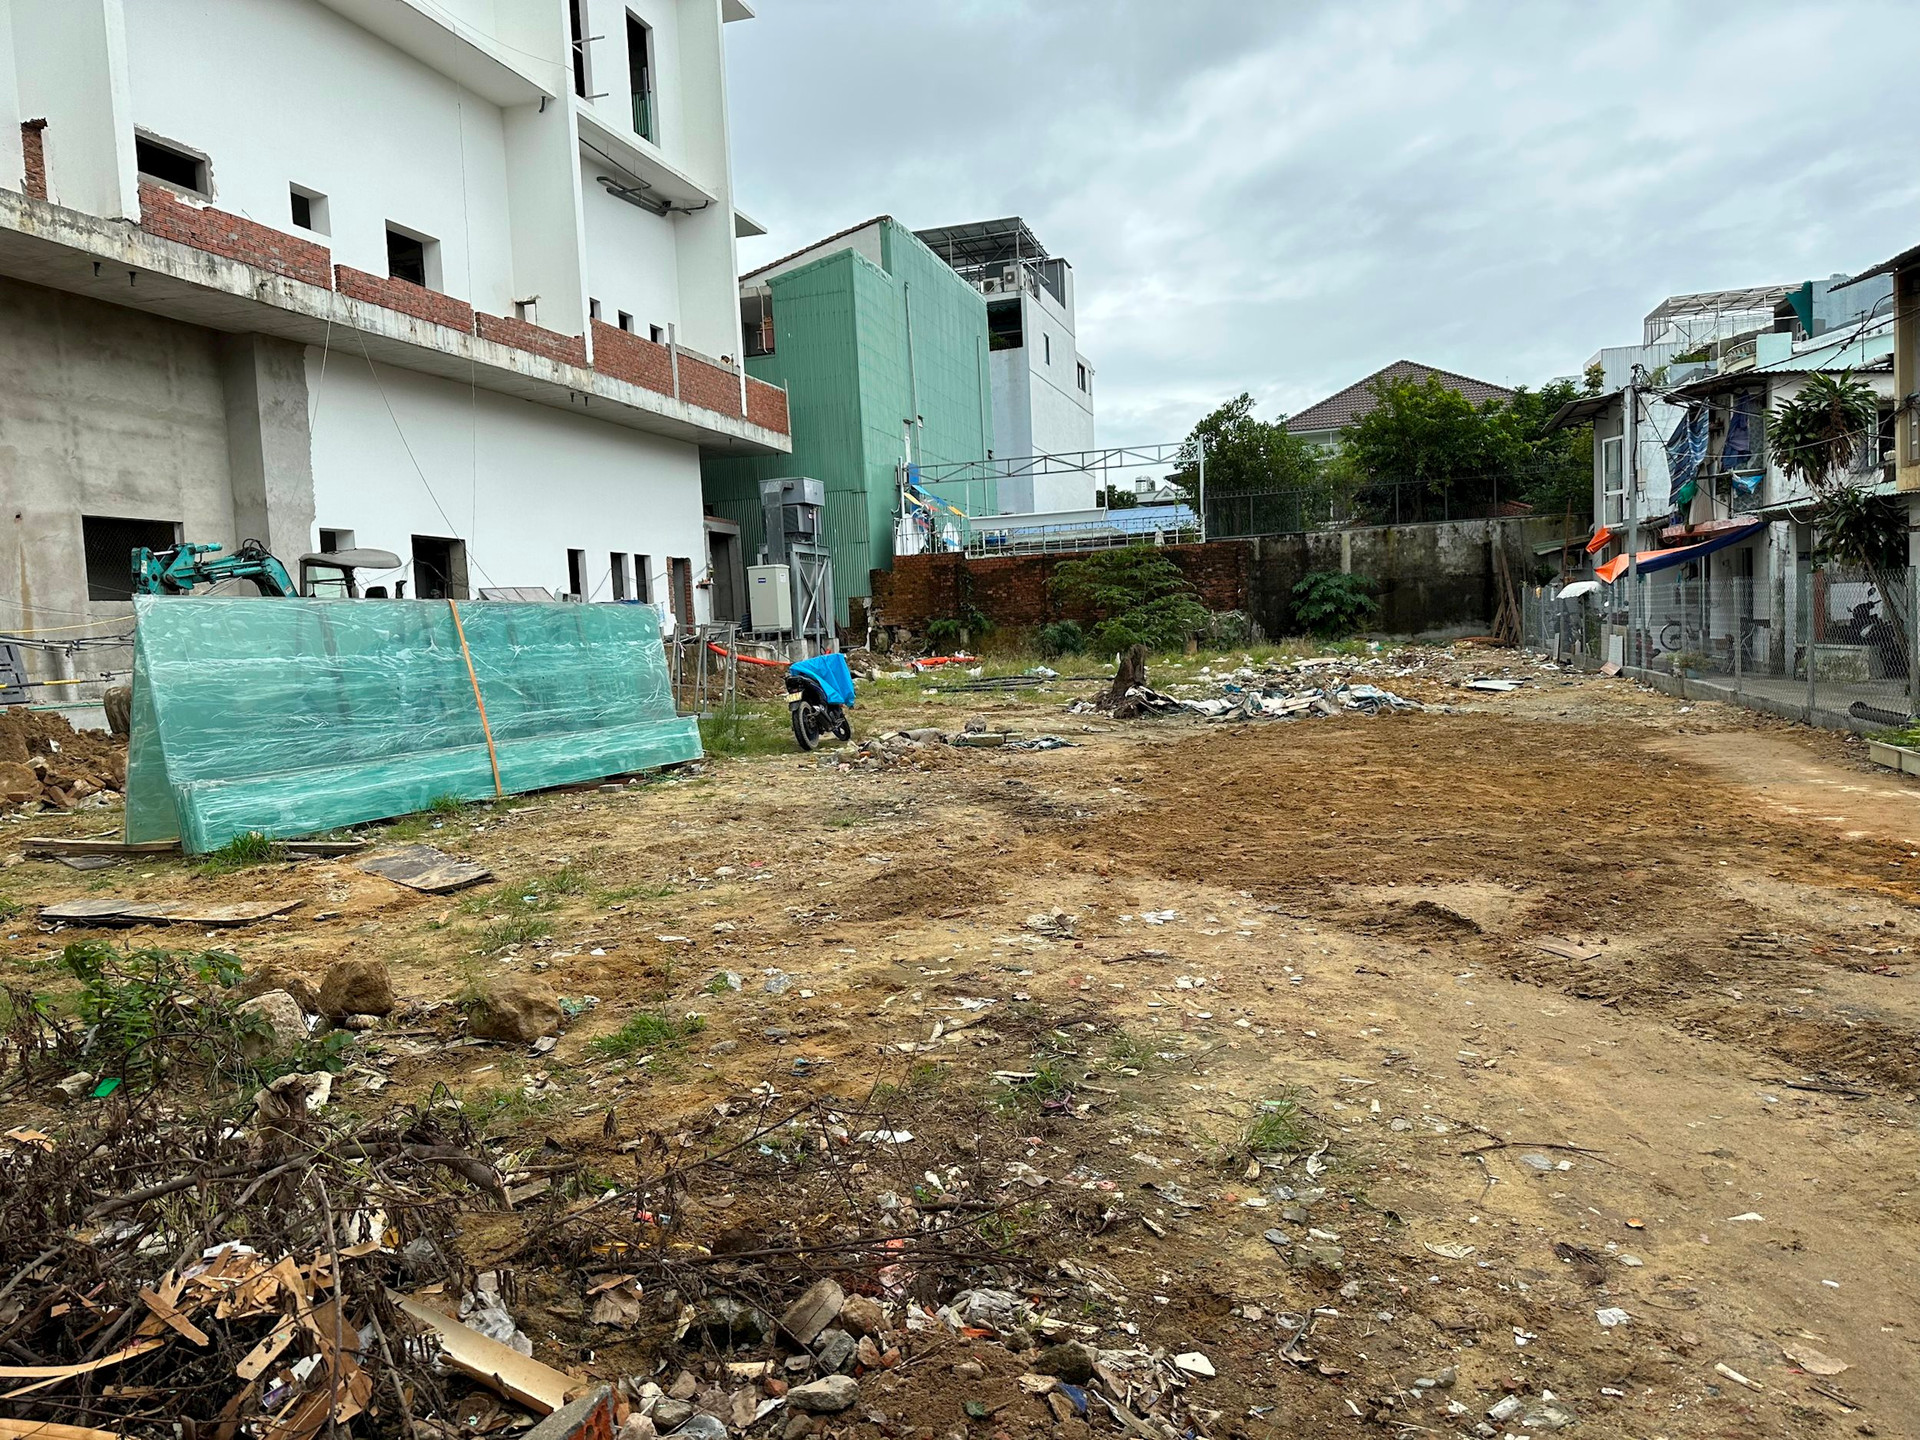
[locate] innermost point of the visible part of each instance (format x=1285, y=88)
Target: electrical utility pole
x=1630, y=456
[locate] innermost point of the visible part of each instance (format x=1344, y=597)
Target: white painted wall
x=292, y=93
x=633, y=258
x=1039, y=409
x=521, y=484
x=71, y=70
x=607, y=70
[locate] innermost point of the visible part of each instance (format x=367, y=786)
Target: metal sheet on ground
x=421, y=867
x=136, y=912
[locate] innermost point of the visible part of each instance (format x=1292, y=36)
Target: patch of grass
x=1279, y=1126
x=240, y=852
x=444, y=805
x=9, y=909
x=513, y=930
x=410, y=827
x=646, y=1032
x=1130, y=1052
x=567, y=880
x=742, y=729
x=485, y=1109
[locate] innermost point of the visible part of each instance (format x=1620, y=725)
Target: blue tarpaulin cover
x=292, y=716
x=831, y=674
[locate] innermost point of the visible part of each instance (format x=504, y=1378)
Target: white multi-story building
x=1042, y=385
x=450, y=278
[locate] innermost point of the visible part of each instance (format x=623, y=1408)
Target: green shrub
x=1229, y=629
x=944, y=635
x=1330, y=603
x=1062, y=637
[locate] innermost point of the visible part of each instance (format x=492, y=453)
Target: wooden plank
x=94, y=845
x=48, y=1430
x=176, y=912
x=421, y=867
x=525, y=1381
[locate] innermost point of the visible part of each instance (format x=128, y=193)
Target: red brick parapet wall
x=567, y=349
x=165, y=214
x=767, y=406
x=627, y=357
x=709, y=386
x=33, y=145
x=1012, y=590
x=617, y=353
x=404, y=296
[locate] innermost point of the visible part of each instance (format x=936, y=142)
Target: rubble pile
x=46, y=763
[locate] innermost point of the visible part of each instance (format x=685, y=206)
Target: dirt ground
x=1598, y=1002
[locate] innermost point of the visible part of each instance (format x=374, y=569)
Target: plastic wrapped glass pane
x=292, y=716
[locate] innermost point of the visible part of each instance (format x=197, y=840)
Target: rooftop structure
x=1323, y=422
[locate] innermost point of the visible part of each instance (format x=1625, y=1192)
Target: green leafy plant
x=240, y=852
x=944, y=635
x=444, y=805
x=511, y=930
x=1331, y=603
x=1062, y=637
x=647, y=1032
x=1135, y=594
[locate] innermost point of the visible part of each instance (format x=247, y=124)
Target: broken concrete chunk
x=669, y=1415
x=813, y=1311
x=835, y=1349
x=276, y=977
x=702, y=1427
x=284, y=1028
x=827, y=1396
x=356, y=987
x=1327, y=1258
x=514, y=1011
x=730, y=1322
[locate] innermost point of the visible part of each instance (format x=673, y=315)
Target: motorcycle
x=818, y=694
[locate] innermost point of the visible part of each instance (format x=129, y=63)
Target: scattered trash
x=1729, y=1373
x=163, y=912
x=1194, y=1363
x=1612, y=1316
x=1812, y=1361
x=1450, y=1250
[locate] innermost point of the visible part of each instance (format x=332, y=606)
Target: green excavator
x=182, y=568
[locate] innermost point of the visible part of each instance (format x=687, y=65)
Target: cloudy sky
x=1282, y=197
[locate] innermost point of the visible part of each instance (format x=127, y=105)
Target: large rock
x=516, y=1011
x=863, y=1315
x=278, y=977
x=828, y=1396
x=356, y=987
x=1071, y=1362
x=286, y=1024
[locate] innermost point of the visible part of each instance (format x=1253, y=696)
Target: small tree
x=1332, y=604
x=1136, y=595
x=1815, y=437
x=1246, y=456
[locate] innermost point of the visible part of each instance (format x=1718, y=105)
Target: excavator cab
x=335, y=574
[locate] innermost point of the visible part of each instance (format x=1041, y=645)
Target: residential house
x=1322, y=422
x=1041, y=382
x=1902, y=275
x=883, y=352
x=450, y=278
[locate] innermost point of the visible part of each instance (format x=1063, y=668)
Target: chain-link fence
x=1831, y=645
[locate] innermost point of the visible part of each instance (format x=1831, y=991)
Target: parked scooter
x=818, y=694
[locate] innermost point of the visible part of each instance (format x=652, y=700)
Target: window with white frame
x=1613, y=480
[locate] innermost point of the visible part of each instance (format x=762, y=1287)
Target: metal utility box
x=769, y=597
x=792, y=509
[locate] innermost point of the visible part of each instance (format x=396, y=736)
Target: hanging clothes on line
x=1686, y=449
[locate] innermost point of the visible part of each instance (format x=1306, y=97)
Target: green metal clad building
x=866, y=329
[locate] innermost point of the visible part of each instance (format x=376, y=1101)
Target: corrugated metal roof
x=983, y=242
x=1346, y=406
x=1901, y=261
x=826, y=240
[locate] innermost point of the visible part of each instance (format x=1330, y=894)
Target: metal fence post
x=1739, y=641
x=1813, y=598
x=1913, y=639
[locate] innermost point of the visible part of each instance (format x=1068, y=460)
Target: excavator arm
x=179, y=570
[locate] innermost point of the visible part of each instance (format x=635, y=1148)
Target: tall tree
x=1247, y=458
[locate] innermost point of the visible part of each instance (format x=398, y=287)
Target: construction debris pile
x=241, y=1275
x=46, y=764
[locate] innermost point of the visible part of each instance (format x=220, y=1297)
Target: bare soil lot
x=1572, y=1002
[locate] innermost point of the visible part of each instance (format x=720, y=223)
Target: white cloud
x=1282, y=198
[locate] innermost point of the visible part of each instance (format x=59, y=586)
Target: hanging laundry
x=1686, y=448
x=1743, y=429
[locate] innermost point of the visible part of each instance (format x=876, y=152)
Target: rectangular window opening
x=642, y=581
x=109, y=542
x=309, y=209
x=1613, y=480
x=1082, y=374
x=626, y=322
x=680, y=590
x=640, y=76
x=657, y=334
x=332, y=541
x=1046, y=343
x=593, y=309
x=439, y=568
x=1004, y=325
x=577, y=28
x=157, y=160
x=618, y=570
x=413, y=258
x=577, y=573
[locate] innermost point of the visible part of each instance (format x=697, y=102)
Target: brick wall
x=767, y=406
x=406, y=297
x=165, y=214
x=627, y=357
x=1012, y=590
x=709, y=386
x=33, y=142
x=567, y=349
